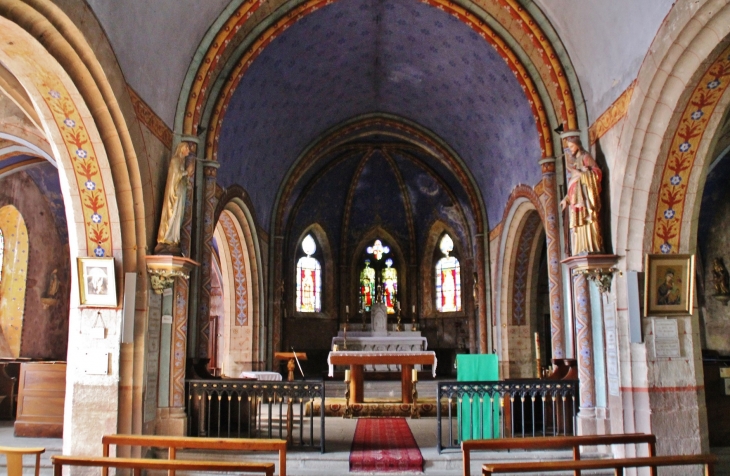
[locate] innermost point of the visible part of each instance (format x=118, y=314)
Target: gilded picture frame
x=669, y=284
x=97, y=286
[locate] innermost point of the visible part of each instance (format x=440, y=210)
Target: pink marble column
x=552, y=237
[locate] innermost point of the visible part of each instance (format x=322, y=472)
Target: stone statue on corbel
x=180, y=172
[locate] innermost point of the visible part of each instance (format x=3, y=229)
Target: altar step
x=381, y=390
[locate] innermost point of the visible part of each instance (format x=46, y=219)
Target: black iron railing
x=507, y=408
x=256, y=409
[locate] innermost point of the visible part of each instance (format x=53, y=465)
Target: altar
x=391, y=341
x=376, y=337
x=358, y=359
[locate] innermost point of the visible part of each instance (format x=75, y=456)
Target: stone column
x=172, y=272
x=210, y=170
x=584, y=344
x=552, y=237
x=599, y=269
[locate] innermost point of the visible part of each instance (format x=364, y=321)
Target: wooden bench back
x=554, y=442
x=653, y=462
x=174, y=443
x=138, y=464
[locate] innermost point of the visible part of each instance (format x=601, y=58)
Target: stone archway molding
x=89, y=138
x=683, y=45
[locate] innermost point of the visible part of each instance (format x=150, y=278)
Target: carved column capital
x=602, y=277
x=547, y=165
x=163, y=269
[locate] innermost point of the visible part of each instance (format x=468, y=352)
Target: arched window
x=309, y=279
x=390, y=286
x=367, y=286
x=448, y=278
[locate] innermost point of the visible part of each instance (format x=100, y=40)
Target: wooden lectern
x=291, y=365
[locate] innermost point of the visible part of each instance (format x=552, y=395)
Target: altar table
x=357, y=360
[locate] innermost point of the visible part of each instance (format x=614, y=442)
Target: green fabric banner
x=478, y=368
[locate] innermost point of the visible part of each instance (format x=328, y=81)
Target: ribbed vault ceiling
x=400, y=57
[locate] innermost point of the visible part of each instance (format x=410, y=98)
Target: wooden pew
x=138, y=464
x=174, y=443
x=553, y=443
x=616, y=464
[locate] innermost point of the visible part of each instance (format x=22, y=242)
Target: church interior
x=202, y=191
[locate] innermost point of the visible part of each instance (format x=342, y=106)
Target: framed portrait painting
x=669, y=285
x=97, y=286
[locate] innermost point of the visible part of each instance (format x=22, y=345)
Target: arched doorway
x=237, y=332
x=524, y=316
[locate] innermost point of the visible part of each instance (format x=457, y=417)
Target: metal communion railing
x=506, y=408
x=256, y=409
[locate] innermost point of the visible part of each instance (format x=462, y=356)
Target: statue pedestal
x=379, y=314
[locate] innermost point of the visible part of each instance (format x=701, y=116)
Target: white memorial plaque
x=167, y=319
x=666, y=348
x=665, y=329
x=666, y=338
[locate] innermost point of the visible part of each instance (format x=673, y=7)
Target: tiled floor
x=339, y=433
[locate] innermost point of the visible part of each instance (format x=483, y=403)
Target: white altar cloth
x=268, y=376
x=382, y=355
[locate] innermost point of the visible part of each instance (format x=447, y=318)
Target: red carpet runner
x=384, y=445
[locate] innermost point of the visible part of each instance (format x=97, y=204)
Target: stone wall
x=45, y=329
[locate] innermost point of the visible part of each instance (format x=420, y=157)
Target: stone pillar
x=584, y=350
x=599, y=269
x=210, y=170
x=172, y=272
x=552, y=237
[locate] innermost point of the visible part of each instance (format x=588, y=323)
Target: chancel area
x=308, y=226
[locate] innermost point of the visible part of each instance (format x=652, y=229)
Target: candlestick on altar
x=347, y=376
x=413, y=318
x=414, y=375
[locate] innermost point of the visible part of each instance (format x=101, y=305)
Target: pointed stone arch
x=516, y=275
x=79, y=114
x=239, y=251
x=669, y=81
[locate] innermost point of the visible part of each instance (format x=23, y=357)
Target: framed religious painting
x=669, y=285
x=97, y=286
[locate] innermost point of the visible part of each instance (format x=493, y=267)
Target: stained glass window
x=367, y=286
x=448, y=279
x=309, y=279
x=390, y=286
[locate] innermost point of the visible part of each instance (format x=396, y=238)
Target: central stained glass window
x=309, y=279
